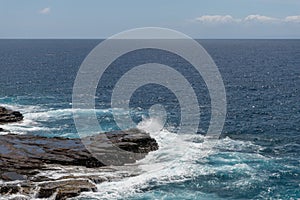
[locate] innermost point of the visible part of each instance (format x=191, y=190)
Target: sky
x=196, y=18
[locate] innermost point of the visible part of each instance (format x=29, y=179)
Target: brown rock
x=22, y=157
x=65, y=188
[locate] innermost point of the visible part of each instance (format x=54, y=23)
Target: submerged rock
x=8, y=116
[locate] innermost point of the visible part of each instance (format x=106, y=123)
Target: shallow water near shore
x=257, y=156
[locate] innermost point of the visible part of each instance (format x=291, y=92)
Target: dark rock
x=23, y=157
x=3, y=130
x=93, y=178
x=65, y=189
x=20, y=198
x=60, y=189
x=9, y=189
x=25, y=153
x=16, y=188
x=8, y=116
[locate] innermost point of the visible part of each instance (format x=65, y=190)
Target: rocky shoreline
x=25, y=161
x=8, y=116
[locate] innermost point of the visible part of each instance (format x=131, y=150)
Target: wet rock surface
x=65, y=188
x=25, y=153
x=23, y=158
x=8, y=116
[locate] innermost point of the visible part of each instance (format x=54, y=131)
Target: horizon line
x=75, y=38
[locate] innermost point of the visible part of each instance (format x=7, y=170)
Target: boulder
x=8, y=116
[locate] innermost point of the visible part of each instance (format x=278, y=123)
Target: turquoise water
x=257, y=157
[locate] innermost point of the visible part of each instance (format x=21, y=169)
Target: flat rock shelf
x=27, y=160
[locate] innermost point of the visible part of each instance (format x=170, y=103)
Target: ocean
x=257, y=156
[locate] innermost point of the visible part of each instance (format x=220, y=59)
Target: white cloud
x=292, y=19
x=215, y=19
x=45, y=11
x=260, y=18
x=222, y=19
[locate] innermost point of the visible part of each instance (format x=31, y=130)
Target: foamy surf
x=173, y=162
x=46, y=121
x=180, y=158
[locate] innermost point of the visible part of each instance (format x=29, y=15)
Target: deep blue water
x=259, y=160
